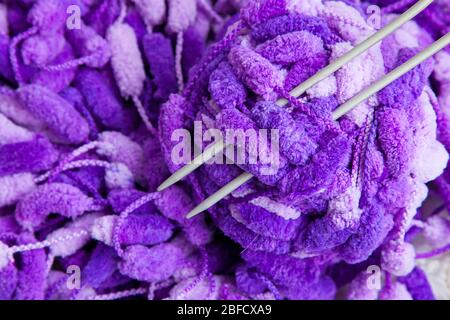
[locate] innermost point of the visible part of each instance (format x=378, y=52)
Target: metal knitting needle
x=299, y=90
x=342, y=110
x=209, y=153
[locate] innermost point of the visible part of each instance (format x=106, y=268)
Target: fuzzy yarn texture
x=353, y=209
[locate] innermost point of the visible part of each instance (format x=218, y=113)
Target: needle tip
x=163, y=186
x=197, y=210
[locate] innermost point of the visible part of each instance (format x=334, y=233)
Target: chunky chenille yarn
x=355, y=187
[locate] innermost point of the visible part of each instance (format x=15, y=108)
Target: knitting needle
x=342, y=110
x=299, y=90
x=209, y=153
